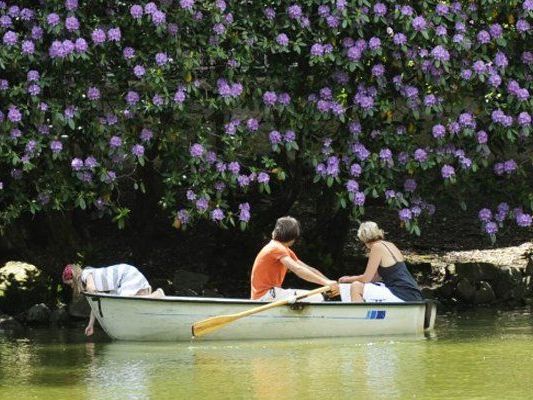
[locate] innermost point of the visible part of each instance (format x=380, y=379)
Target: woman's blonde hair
x=76, y=279
x=369, y=232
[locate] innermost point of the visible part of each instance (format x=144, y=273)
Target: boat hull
x=171, y=318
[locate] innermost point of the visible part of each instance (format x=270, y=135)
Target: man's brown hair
x=286, y=229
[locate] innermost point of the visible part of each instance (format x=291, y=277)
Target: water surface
x=475, y=355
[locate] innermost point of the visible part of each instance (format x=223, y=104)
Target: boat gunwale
x=225, y=300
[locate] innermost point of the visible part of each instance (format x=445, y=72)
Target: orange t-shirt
x=268, y=270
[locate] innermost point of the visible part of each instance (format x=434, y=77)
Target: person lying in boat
x=385, y=262
x=121, y=279
x=276, y=258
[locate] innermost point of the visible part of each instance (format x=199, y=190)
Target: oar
x=208, y=325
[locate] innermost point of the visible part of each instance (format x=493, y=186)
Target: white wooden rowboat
x=170, y=318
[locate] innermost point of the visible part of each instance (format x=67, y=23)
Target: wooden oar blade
x=208, y=325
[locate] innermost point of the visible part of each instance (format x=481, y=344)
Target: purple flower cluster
x=229, y=90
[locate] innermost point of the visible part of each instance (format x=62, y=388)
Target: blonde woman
x=121, y=279
x=385, y=262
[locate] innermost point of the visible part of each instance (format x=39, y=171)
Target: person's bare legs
x=356, y=291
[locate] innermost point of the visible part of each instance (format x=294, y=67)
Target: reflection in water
x=486, y=356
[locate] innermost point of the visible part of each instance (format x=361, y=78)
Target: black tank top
x=399, y=280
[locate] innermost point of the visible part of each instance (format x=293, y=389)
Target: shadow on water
x=469, y=355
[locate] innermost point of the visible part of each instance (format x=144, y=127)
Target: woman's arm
x=371, y=271
x=89, y=330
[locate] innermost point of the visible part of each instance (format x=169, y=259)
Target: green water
x=481, y=355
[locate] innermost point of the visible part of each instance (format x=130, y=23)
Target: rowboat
x=171, y=318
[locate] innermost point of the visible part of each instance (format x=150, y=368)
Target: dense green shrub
x=208, y=102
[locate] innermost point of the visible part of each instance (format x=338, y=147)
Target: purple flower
x=90, y=163
x=522, y=26
x=217, y=215
x=440, y=53
x=399, y=39
x=71, y=5
x=34, y=89
x=496, y=30
x=244, y=212
x=482, y=137
x=10, y=38
x=407, y=11
x=524, y=119
x=187, y=4
x=355, y=170
x=136, y=11
x=419, y=23
x=93, y=93
x=146, y=135
x=243, y=181
x=137, y=150
x=289, y=137
x=179, y=96
x=14, y=115
x=294, y=11
x=197, y=150
x=500, y=60
x=275, y=137
x=158, y=100
x=483, y=37
x=202, y=204
x=114, y=34
x=219, y=29
x=354, y=54
x=263, y=177
x=28, y=47
x=438, y=131
x=405, y=214
x=284, y=99
x=495, y=80
x=380, y=9
x=5, y=21
x=161, y=58
x=53, y=19
x=234, y=167
x=128, y=53
x=447, y=171
x=139, y=71
x=378, y=70
x=270, y=14
x=72, y=23
x=270, y=98
x=56, y=146
x=317, y=50
x=183, y=216
x=352, y=186
x=252, y=124
x=374, y=43
x=523, y=220
x=115, y=142
x=33, y=75
x=479, y=67
x=80, y=45
x=76, y=164
x=359, y=199
x=132, y=97
x=282, y=39
x=98, y=36
x=385, y=155
x=409, y=185
x=491, y=228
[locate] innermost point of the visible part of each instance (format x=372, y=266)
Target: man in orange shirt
x=276, y=258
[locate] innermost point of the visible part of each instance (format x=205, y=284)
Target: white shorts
x=276, y=293
x=373, y=292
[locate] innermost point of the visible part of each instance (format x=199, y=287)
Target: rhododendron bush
x=402, y=102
